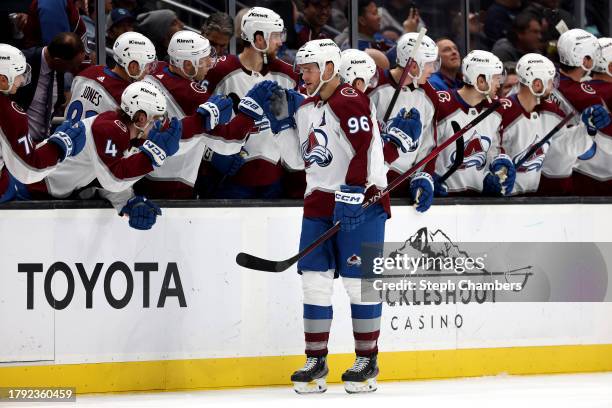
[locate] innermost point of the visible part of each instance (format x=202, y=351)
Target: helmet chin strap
x=321, y=83
x=264, y=51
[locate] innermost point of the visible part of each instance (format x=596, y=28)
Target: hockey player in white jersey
x=483, y=164
x=191, y=58
x=263, y=31
x=529, y=117
x=21, y=162
x=402, y=133
x=110, y=158
x=578, y=53
x=98, y=88
x=417, y=96
x=336, y=139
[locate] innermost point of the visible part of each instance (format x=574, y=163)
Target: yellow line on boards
x=168, y=375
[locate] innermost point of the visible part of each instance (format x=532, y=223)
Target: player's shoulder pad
x=383, y=80
x=548, y=105
x=430, y=91
x=225, y=65
x=348, y=101
x=108, y=125
x=278, y=65
x=93, y=72
x=13, y=118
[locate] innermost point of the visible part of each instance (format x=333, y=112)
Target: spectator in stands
x=402, y=15
x=391, y=33
x=119, y=21
x=449, y=74
x=549, y=15
x=47, y=18
x=44, y=97
x=338, y=14
x=511, y=84
x=525, y=37
x=379, y=58
x=311, y=22
x=499, y=17
x=219, y=29
x=159, y=26
x=368, y=29
x=13, y=19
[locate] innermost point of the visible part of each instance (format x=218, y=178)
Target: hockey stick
x=400, y=84
x=544, y=140
x=459, y=154
x=252, y=262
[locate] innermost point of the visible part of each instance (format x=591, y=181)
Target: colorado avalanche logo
x=353, y=260
x=314, y=149
x=475, y=151
x=18, y=108
x=587, y=88
x=198, y=88
x=348, y=92
x=535, y=161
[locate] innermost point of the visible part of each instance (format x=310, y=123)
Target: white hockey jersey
x=94, y=90
x=337, y=142
x=422, y=99
x=521, y=130
x=229, y=77
x=26, y=162
x=481, y=143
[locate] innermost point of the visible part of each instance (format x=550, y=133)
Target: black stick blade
x=252, y=262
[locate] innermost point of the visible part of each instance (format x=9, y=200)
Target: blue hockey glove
x=227, y=165
x=404, y=130
x=161, y=144
x=348, y=208
x=595, y=117
x=142, y=212
x=216, y=111
x=502, y=172
x=422, y=191
x=70, y=139
x=439, y=187
x=281, y=110
x=257, y=97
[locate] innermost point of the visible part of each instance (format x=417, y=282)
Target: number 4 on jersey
x=111, y=148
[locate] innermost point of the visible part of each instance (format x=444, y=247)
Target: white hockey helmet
x=12, y=64
x=186, y=45
x=132, y=46
x=319, y=52
x=427, y=52
x=605, y=56
x=143, y=96
x=356, y=64
x=576, y=44
x=261, y=19
x=484, y=63
x=535, y=66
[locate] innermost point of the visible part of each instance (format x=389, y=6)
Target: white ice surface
x=572, y=390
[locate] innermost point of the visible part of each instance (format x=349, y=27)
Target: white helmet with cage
x=605, y=56
x=13, y=64
x=132, y=46
x=319, y=52
x=427, y=53
x=484, y=63
x=186, y=45
x=261, y=19
x=356, y=64
x=143, y=96
x=532, y=67
x=576, y=44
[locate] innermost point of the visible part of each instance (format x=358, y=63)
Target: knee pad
x=318, y=287
x=353, y=290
